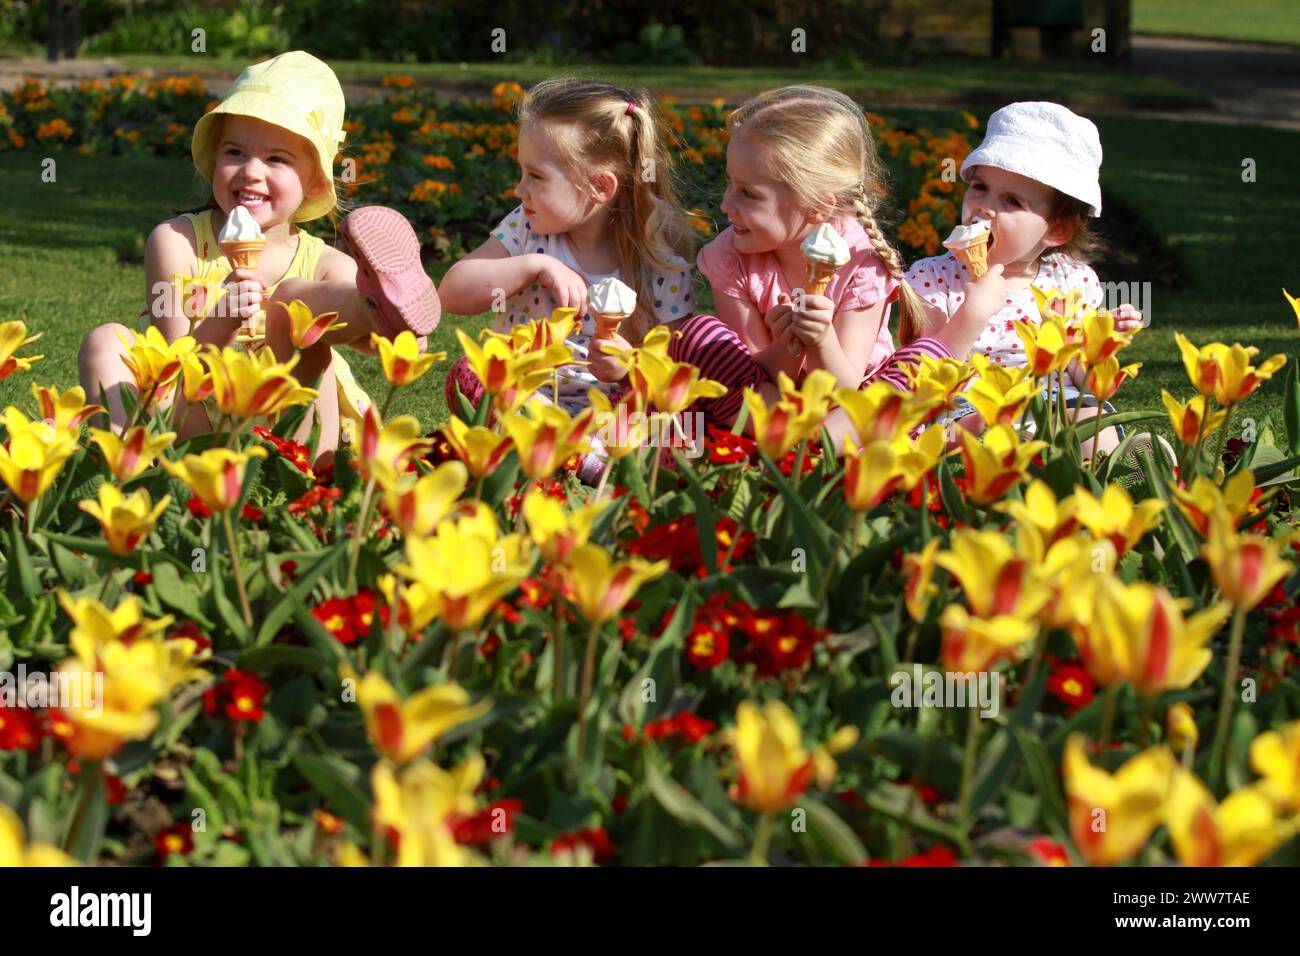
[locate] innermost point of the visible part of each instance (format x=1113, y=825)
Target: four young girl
x=596, y=201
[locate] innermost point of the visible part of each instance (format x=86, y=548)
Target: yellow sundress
x=214, y=266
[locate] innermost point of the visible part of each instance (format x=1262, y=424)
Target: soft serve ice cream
x=970, y=244
x=825, y=251
x=240, y=227
x=610, y=301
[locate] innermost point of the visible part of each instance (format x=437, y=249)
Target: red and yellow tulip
x=1114, y=517
x=401, y=359
x=996, y=464
x=35, y=455
x=416, y=506
x=132, y=454
x=1244, y=567
x=400, y=729
x=546, y=436
x=155, y=363
x=1113, y=815
x=67, y=410
x=253, y=384
x=216, y=476
x=481, y=449
x=126, y=520
x=1240, y=831
x=13, y=336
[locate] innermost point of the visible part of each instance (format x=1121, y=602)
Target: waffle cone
x=819, y=277
x=976, y=257
x=244, y=254
x=607, y=325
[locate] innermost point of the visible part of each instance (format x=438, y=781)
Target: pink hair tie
x=631, y=107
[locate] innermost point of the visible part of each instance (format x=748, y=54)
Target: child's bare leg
x=327, y=407
x=1107, y=441
x=338, y=296
x=101, y=370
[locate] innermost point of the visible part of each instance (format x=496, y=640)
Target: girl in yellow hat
x=268, y=149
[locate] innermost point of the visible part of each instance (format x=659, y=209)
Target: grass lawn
x=62, y=276
x=1265, y=21
x=963, y=79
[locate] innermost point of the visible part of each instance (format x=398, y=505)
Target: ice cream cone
x=819, y=277
x=244, y=253
x=975, y=256
x=607, y=325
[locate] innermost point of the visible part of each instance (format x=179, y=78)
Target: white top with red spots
x=941, y=281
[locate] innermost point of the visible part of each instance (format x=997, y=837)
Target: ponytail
x=911, y=312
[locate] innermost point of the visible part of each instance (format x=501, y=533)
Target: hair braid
x=910, y=311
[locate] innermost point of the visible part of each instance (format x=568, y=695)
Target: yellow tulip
x=216, y=476
x=1105, y=378
x=66, y=411
x=306, y=329
x=400, y=729
x=1113, y=815
x=1200, y=501
x=1041, y=510
x=774, y=766
x=132, y=454
x=1295, y=304
x=1097, y=337
x=1189, y=421
x=139, y=670
x=401, y=358
x=936, y=383
x=35, y=456
x=812, y=395
x=996, y=464
x=879, y=412
x=973, y=644
x=510, y=377
x=195, y=298
x=669, y=386
x=465, y=567
x=1244, y=567
x=16, y=851
x=601, y=586
x=1000, y=394
x=1180, y=725
x=1064, y=308
x=421, y=804
x=920, y=587
x=414, y=605
x=417, y=506
x=481, y=449
x=196, y=380
x=155, y=363
x=1241, y=831
x=547, y=436
x=1069, y=569
x=555, y=529
x=1275, y=755
x=623, y=430
x=254, y=384
x=779, y=427
x=1047, y=347
x=385, y=450
x=1155, y=647
x=13, y=336
x=995, y=579
x=1224, y=372
x=537, y=335
x=126, y=521
x=1114, y=517
x=881, y=468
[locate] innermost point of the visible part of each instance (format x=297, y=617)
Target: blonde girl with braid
x=596, y=201
x=799, y=157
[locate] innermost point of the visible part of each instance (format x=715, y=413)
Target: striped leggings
x=721, y=355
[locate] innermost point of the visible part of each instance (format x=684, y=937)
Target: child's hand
x=569, y=288
x=1076, y=375
x=1127, y=318
x=780, y=314
x=244, y=291
x=985, y=296
x=814, y=320
x=607, y=368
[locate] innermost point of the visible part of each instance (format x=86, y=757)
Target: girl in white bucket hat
x=1034, y=185
x=268, y=149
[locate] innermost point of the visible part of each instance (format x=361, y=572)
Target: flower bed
x=443, y=649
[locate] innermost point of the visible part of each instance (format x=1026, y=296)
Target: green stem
x=588, y=669
x=654, y=474
x=557, y=648
x=1096, y=440
x=236, y=566
x=762, y=840
x=1200, y=440
x=1218, y=444
x=383, y=412
x=604, y=478
x=360, y=535
x=1108, y=703
x=968, y=765
x=87, y=787
x=798, y=465
x=1225, y=700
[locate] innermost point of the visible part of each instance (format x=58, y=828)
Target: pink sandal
x=390, y=274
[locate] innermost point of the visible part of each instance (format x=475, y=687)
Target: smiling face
x=765, y=213
x=264, y=168
x=1017, y=209
x=552, y=202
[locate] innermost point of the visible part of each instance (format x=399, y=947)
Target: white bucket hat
x=1049, y=144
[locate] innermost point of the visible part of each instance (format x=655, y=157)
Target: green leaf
x=1041, y=774
x=941, y=757
x=73, y=571
x=176, y=594
x=263, y=659
x=1291, y=407
x=335, y=780
x=682, y=805
x=284, y=607
x=706, y=520
x=92, y=820
x=837, y=835
x=660, y=662
x=810, y=530
x=20, y=579
x=202, y=798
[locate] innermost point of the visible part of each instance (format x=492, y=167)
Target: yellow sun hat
x=296, y=92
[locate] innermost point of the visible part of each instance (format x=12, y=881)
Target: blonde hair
x=618, y=129
x=820, y=143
